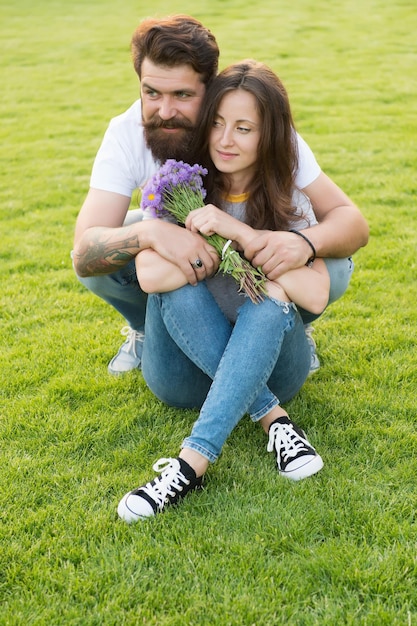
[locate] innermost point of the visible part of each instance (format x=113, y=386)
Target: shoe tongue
x=187, y=470
x=284, y=419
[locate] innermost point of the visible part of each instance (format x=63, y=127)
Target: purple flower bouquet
x=176, y=189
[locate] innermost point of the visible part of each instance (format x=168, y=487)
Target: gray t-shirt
x=224, y=288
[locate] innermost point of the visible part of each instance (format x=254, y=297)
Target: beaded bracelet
x=312, y=258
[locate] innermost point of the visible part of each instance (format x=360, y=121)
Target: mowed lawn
x=251, y=549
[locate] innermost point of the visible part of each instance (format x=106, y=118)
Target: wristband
x=300, y=234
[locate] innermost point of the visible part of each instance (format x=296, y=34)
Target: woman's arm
x=306, y=286
x=156, y=274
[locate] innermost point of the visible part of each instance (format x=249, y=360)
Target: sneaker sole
x=304, y=471
x=114, y=372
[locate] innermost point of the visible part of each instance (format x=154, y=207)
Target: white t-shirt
x=124, y=162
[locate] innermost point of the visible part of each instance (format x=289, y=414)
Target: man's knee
x=340, y=272
x=99, y=285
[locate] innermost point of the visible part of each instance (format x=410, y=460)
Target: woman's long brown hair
x=270, y=202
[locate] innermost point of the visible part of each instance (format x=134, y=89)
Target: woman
x=239, y=356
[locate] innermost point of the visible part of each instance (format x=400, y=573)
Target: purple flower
x=173, y=177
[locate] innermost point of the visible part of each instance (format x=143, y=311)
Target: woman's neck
x=239, y=183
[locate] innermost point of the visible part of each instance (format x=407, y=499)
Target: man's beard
x=164, y=145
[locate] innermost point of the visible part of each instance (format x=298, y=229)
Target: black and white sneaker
x=296, y=457
x=176, y=479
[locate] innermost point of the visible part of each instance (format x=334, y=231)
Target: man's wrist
x=313, y=256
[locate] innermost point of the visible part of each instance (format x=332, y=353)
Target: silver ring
x=198, y=264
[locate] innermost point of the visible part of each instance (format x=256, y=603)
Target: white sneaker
x=130, y=352
x=315, y=362
x=176, y=478
x=296, y=457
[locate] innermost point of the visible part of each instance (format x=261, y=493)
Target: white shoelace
x=168, y=483
x=132, y=336
x=286, y=441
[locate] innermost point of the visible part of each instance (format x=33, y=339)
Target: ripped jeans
x=194, y=357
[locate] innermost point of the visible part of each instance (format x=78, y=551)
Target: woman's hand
x=209, y=220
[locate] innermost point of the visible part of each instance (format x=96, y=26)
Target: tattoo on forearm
x=104, y=257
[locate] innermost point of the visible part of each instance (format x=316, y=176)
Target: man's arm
x=341, y=231
x=102, y=244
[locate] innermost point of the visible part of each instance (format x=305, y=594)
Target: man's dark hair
x=176, y=40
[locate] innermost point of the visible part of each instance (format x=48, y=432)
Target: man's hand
x=277, y=252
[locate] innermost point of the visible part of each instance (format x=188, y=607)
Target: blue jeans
x=121, y=290
x=193, y=357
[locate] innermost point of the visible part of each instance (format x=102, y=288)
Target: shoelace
x=132, y=337
x=168, y=483
x=286, y=441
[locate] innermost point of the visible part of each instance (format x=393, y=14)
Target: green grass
x=251, y=549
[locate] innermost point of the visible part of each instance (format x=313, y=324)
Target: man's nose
x=167, y=109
